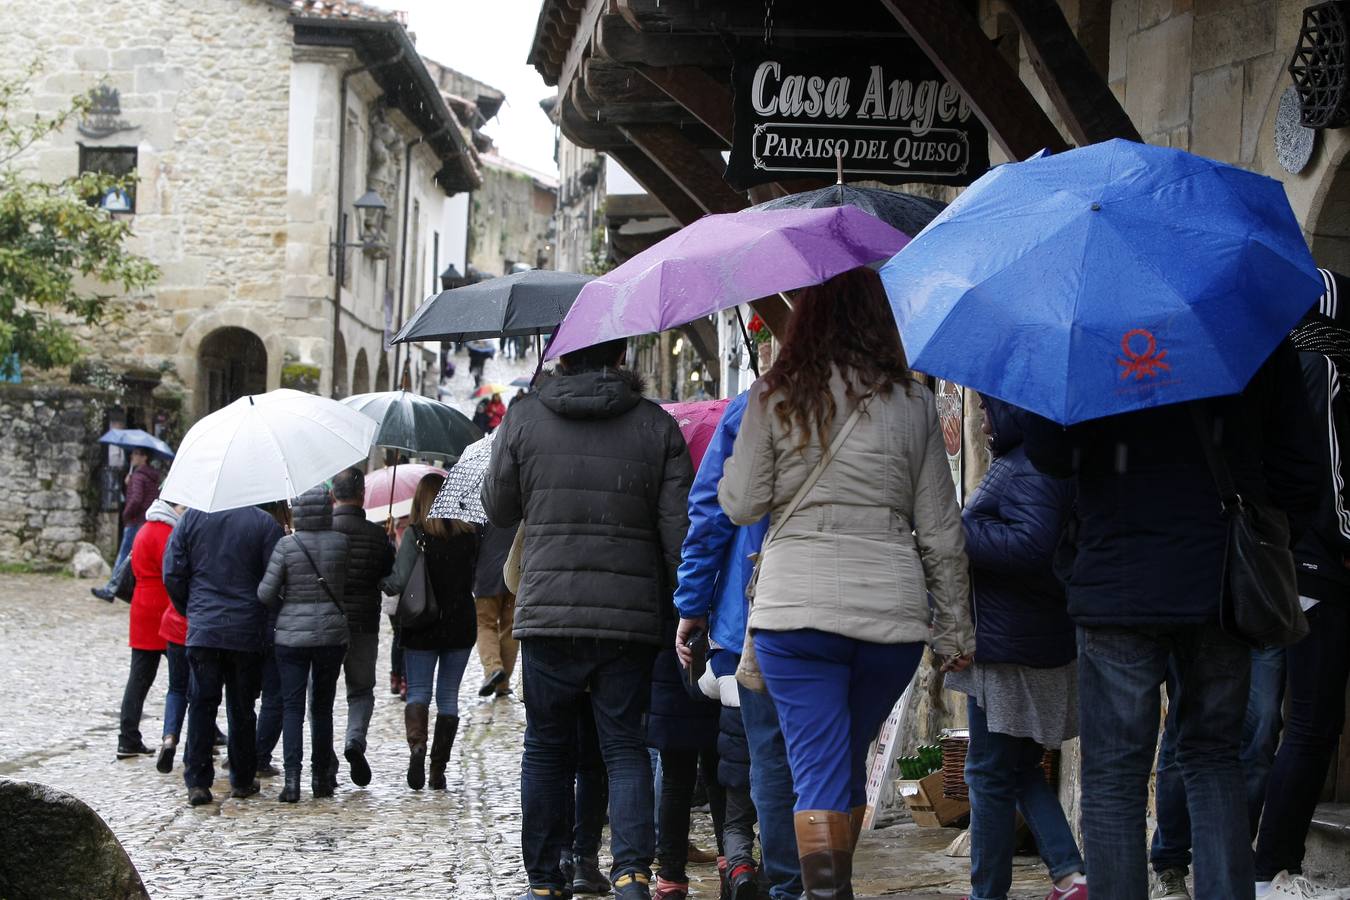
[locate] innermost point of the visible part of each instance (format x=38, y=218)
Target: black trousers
x=144, y=668
x=679, y=775
x=237, y=675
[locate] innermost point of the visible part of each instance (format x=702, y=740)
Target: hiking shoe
x=490, y=683
x=1295, y=887
x=127, y=751
x=164, y=759
x=742, y=883
x=1169, y=884
x=670, y=890
x=199, y=796
x=632, y=886
x=356, y=763
x=587, y=878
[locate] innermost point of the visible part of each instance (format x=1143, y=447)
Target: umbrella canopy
x=389, y=491
x=135, y=439
x=719, y=262
x=461, y=495
x=488, y=388
x=530, y=302
x=1112, y=278
x=909, y=213
x=698, y=423
x=417, y=424
x=265, y=447
x=523, y=381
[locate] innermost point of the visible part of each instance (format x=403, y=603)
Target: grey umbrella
x=526, y=303
x=416, y=424
x=909, y=213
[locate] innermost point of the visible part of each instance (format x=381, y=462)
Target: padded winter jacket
x=370, y=557
x=872, y=538
x=601, y=478
x=307, y=614
x=142, y=490
x=1013, y=523
x=212, y=568
x=1321, y=552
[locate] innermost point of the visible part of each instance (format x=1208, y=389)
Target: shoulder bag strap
x=323, y=582
x=1223, y=478
x=816, y=472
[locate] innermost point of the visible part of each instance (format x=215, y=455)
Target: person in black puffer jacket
x=305, y=579
x=441, y=649
x=370, y=557
x=1022, y=686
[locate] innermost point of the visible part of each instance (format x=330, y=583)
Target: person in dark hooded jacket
x=304, y=584
x=600, y=478
x=1022, y=687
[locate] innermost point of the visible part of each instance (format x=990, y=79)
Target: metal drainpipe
x=403, y=251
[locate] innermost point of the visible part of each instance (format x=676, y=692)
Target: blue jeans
x=175, y=701
x=771, y=790
x=269, y=710
x=832, y=694
x=123, y=559
x=556, y=674
x=235, y=674
x=1119, y=673
x=1005, y=776
x=446, y=666
x=1260, y=736
x=296, y=666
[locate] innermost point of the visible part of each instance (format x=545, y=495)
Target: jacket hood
x=1006, y=420
x=313, y=510
x=162, y=511
x=602, y=394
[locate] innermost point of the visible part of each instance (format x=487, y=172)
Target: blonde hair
x=423, y=497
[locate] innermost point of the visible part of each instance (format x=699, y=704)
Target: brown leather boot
x=824, y=845
x=415, y=723
x=855, y=822
x=444, y=739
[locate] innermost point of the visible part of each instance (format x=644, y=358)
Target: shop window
x=116, y=161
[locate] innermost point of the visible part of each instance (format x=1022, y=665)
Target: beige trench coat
x=878, y=532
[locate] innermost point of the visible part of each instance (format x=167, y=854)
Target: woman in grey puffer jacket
x=303, y=585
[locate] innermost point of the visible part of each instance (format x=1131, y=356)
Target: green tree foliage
x=55, y=242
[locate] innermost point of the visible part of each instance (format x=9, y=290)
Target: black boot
x=587, y=878
x=357, y=764
x=415, y=723
x=444, y=739
x=291, y=792
x=164, y=760
x=323, y=780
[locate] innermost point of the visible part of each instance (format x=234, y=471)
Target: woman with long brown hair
x=842, y=449
x=438, y=651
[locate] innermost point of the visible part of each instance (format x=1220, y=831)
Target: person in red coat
x=148, y=603
x=496, y=411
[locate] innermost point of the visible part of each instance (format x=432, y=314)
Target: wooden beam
x=608, y=82
x=585, y=132
x=697, y=91
x=957, y=45
x=657, y=183
x=792, y=18
x=702, y=334
x=615, y=40
x=680, y=159
x=581, y=40
x=663, y=111
x=1087, y=104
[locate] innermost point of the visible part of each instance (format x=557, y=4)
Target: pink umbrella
x=698, y=423
x=389, y=491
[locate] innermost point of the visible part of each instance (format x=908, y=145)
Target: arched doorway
x=340, y=369
x=361, y=373
x=231, y=362
x=382, y=373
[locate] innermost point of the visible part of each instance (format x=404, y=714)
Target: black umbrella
x=531, y=302
x=909, y=213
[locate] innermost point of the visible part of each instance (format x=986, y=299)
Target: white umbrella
x=461, y=495
x=266, y=447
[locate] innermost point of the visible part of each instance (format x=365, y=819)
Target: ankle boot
x=444, y=739
x=415, y=723
x=824, y=845
x=855, y=823
x=290, y=793
x=323, y=780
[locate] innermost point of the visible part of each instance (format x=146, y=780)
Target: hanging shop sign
x=878, y=110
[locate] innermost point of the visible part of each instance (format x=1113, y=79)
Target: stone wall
x=510, y=219
x=48, y=455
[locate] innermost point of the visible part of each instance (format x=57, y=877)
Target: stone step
x=1328, y=853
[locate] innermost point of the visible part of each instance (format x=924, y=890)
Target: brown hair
x=846, y=323
x=426, y=492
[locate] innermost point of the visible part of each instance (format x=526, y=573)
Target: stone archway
x=361, y=373
x=382, y=373
x=340, y=368
x=231, y=362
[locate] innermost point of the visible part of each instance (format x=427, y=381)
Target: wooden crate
x=927, y=806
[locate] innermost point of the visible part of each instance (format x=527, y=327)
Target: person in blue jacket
x=1023, y=685
x=714, y=569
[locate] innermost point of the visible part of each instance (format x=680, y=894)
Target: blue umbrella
x=1104, y=280
x=135, y=439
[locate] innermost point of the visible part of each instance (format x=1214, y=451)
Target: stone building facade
x=511, y=218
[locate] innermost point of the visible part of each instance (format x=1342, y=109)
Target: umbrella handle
x=749, y=347
x=393, y=482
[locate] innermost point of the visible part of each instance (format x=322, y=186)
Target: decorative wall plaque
x=1293, y=142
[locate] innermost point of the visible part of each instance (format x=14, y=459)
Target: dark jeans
x=236, y=674
x=269, y=710
x=296, y=665
x=144, y=667
x=1260, y=736
x=586, y=809
x=679, y=777
x=176, y=699
x=395, y=650
x=123, y=560
x=557, y=673
x=1005, y=777
x=1318, y=668
x=771, y=790
x=1119, y=673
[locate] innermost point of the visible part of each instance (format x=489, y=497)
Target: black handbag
x=1258, y=602
x=417, y=607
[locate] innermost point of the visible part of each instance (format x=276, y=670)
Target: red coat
x=495, y=413
x=149, y=599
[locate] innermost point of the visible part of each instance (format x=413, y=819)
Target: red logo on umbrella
x=1147, y=364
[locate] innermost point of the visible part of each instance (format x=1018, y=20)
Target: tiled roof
x=345, y=9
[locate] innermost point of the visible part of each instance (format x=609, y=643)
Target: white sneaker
x=1285, y=886
x=1169, y=884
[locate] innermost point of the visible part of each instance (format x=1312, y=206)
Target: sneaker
x=1285, y=886
x=1072, y=892
x=490, y=683
x=586, y=877
x=542, y=893
x=670, y=890
x=127, y=751
x=742, y=883
x=1169, y=884
x=103, y=593
x=632, y=886
x=199, y=796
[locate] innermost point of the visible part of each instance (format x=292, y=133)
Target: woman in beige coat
x=841, y=610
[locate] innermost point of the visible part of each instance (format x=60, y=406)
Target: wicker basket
x=954, y=743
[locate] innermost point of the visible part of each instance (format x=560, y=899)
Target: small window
x=119, y=162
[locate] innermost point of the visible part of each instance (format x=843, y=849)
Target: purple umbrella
x=719, y=262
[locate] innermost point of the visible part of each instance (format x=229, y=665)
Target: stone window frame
x=90, y=162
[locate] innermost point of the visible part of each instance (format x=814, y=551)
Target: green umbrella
x=418, y=425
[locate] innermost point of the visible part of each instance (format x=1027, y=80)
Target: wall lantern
x=451, y=278
x=370, y=210
x=1319, y=66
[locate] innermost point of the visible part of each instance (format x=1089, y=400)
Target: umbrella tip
x=1096, y=207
